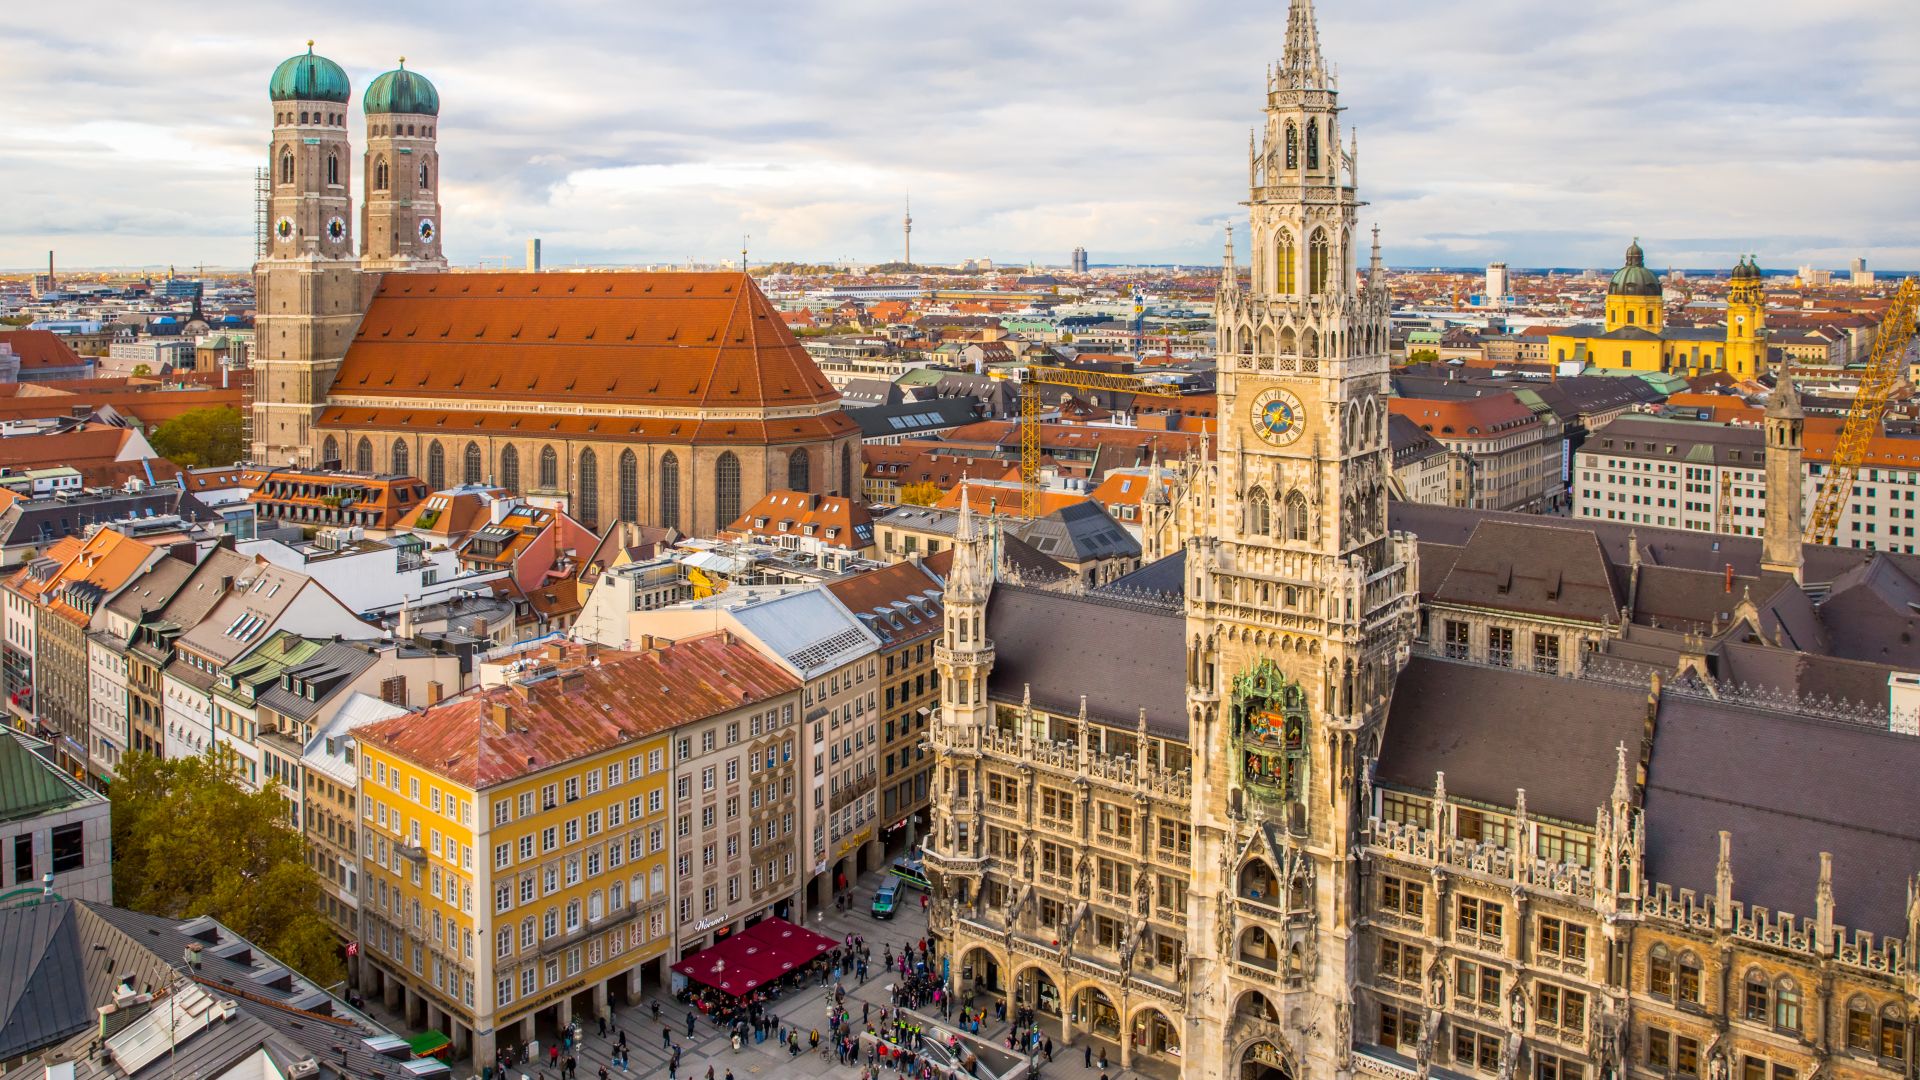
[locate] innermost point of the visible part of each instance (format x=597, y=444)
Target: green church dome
x=309, y=78
x=1746, y=269
x=401, y=91
x=1634, y=279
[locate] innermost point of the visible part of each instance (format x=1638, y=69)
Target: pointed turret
x=1785, y=424
x=1301, y=66
x=1229, y=273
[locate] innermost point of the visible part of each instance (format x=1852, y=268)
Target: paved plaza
x=711, y=1046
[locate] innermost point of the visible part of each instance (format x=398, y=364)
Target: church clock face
x=336, y=229
x=283, y=229
x=1278, y=416
x=426, y=230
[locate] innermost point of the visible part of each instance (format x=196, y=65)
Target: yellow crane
x=1032, y=378
x=1863, y=417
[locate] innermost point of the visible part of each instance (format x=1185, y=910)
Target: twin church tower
x=312, y=283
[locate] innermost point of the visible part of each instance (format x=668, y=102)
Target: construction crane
x=1032, y=378
x=1863, y=416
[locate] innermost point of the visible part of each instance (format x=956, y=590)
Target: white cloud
x=1541, y=134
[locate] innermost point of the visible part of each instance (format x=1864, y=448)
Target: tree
x=924, y=493
x=188, y=841
x=1422, y=356
x=141, y=371
x=197, y=437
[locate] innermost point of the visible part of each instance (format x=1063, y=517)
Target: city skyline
x=670, y=135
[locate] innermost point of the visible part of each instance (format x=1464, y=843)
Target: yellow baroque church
x=1636, y=337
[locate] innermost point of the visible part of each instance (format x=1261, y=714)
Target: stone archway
x=1262, y=1060
x=981, y=971
x=1095, y=1013
x=1154, y=1036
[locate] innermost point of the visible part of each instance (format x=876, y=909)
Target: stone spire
x=1229, y=274
x=1301, y=66
x=1781, y=549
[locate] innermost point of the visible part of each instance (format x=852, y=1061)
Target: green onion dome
x=401, y=91
x=309, y=78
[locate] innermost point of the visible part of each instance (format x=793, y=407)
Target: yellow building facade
x=516, y=869
x=1635, y=336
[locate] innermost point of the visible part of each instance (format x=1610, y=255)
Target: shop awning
x=755, y=956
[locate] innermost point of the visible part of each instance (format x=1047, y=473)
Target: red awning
x=755, y=956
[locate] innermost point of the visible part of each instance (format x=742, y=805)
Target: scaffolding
x=262, y=194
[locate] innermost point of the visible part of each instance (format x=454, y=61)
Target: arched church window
x=588, y=497
x=510, y=470
x=628, y=472
x=799, y=469
x=1319, y=261
x=1293, y=146
x=1786, y=1007
x=726, y=489
x=474, y=464
x=549, y=468
x=670, y=490
x=286, y=165
x=1313, y=145
x=1286, y=264
x=363, y=455
x=1893, y=1033
x=847, y=484
x=425, y=183
x=380, y=177
x=400, y=464
x=1259, y=519
x=436, y=466
x=1296, y=516
x=330, y=453
x=333, y=168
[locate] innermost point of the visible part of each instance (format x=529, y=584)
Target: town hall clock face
x=1278, y=416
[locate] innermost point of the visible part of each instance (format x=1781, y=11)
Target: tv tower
x=906, y=231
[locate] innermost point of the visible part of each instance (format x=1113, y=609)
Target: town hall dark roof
x=1787, y=788
x=1123, y=656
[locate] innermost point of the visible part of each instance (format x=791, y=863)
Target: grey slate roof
x=1123, y=657
x=1787, y=788
x=1166, y=576
x=1080, y=532
x=43, y=996
x=914, y=417
x=328, y=670
x=1492, y=730
x=1539, y=568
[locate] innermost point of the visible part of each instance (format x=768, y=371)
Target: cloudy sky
x=636, y=132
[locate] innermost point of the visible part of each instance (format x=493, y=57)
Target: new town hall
x=1516, y=798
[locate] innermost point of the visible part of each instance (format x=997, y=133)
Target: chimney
x=480, y=627
x=529, y=690
x=646, y=642
x=502, y=713
x=435, y=692
x=556, y=651
x=593, y=651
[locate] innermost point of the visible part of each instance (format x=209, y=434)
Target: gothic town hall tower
x=1299, y=604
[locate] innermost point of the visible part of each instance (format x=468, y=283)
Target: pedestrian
x=603, y=1072
x=689, y=1025
x=602, y=1021
x=1089, y=1052
x=666, y=1036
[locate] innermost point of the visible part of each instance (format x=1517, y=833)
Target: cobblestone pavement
x=710, y=1046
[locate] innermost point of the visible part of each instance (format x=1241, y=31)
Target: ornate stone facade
x=1264, y=874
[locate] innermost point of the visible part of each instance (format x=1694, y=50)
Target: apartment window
x=1403, y=897
x=1500, y=646
x=1398, y=1023
x=1755, y=997
x=1481, y=917
x=1476, y=1049
x=1563, y=939
x=1659, y=968
x=1549, y=1067
x=1055, y=803
x=1477, y=982
x=1556, y=1006
x=1786, y=1007
x=1454, y=644
x=68, y=848
x=1399, y=960
x=1546, y=654
x=1406, y=809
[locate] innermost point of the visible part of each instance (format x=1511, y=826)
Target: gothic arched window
x=549, y=469
x=286, y=165
x=847, y=484
x=474, y=464
x=1319, y=261
x=1286, y=265
x=1660, y=972
x=1313, y=145
x=1859, y=1024
x=400, y=457
x=1786, y=1006
x=588, y=497
x=628, y=472
x=1893, y=1033
x=510, y=470
x=330, y=453
x=380, y=176
x=436, y=467
x=1687, y=987
x=670, y=490
x=363, y=455
x=426, y=181
x=1293, y=146
x=1296, y=516
x=1259, y=520
x=333, y=168
x=726, y=489
x=799, y=468
x=1754, y=999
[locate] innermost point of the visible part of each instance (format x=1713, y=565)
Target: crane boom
x=1863, y=417
x=1038, y=375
